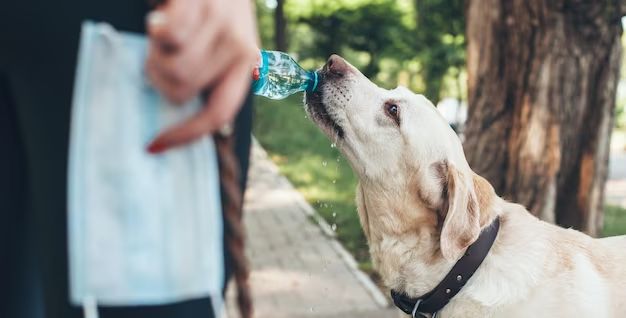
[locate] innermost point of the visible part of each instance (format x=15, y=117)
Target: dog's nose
x=337, y=66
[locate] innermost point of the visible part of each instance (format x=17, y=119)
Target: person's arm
x=197, y=46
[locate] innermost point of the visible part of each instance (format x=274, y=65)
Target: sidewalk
x=298, y=269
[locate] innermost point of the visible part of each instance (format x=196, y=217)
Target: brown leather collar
x=433, y=301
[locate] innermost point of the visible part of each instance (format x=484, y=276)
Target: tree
x=542, y=80
x=280, y=26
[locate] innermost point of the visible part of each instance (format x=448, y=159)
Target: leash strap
x=453, y=282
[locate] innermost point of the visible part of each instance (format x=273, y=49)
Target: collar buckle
x=416, y=314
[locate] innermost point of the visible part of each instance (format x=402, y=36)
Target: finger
x=175, y=86
x=175, y=22
x=221, y=108
x=247, y=28
x=174, y=91
x=187, y=66
x=221, y=60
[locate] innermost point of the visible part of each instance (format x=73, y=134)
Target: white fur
x=534, y=269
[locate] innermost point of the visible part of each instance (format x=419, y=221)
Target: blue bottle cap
x=314, y=80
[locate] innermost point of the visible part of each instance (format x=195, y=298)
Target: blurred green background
x=391, y=42
x=387, y=40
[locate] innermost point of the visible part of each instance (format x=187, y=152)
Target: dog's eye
x=393, y=111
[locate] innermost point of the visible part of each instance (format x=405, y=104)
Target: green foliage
x=371, y=27
x=416, y=43
x=440, y=41
x=265, y=24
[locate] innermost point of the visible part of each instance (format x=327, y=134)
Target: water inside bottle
x=281, y=76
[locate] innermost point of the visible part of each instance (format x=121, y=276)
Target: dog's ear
x=461, y=209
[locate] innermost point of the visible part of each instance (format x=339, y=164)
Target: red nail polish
x=157, y=147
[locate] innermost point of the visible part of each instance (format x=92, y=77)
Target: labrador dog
x=421, y=205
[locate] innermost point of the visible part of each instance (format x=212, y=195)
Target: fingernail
x=156, y=18
x=157, y=147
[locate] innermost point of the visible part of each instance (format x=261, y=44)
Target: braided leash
x=232, y=208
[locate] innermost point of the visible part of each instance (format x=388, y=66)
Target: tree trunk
x=280, y=26
x=542, y=82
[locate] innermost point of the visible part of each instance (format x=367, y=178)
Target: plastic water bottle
x=278, y=76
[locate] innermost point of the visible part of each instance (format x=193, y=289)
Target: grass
x=318, y=171
x=614, y=221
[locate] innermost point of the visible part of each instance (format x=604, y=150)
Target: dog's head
x=398, y=140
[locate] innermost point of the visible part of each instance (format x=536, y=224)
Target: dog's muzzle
x=335, y=69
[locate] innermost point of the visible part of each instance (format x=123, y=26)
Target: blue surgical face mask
x=143, y=229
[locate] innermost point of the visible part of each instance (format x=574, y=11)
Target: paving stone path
x=298, y=268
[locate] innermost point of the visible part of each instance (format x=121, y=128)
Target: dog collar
x=433, y=301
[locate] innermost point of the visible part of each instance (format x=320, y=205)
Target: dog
x=421, y=205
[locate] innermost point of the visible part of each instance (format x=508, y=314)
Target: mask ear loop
x=90, y=307
x=218, y=306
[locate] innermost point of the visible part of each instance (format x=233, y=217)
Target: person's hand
x=201, y=46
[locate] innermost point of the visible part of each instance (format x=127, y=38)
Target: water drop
x=334, y=214
x=338, y=159
x=334, y=227
x=324, y=163
x=334, y=181
x=333, y=145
